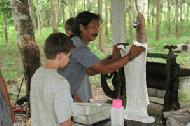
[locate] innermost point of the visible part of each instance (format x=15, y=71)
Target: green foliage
x=5, y=6
x=11, y=64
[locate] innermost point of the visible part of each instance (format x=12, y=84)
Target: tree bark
x=84, y=5
x=181, y=13
x=88, y=5
x=153, y=12
x=101, y=38
x=5, y=31
x=148, y=15
x=73, y=7
x=177, y=19
x=118, y=21
x=187, y=13
x=130, y=19
x=63, y=11
x=106, y=18
x=169, y=16
x=39, y=20
x=157, y=35
x=55, y=15
x=26, y=40
x=30, y=3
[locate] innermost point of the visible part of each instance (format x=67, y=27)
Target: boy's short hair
x=69, y=23
x=56, y=43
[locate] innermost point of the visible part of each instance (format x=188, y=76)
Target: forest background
x=167, y=23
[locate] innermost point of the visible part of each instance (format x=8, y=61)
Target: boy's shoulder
x=48, y=76
x=61, y=81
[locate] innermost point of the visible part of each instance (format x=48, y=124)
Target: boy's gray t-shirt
x=50, y=98
x=81, y=59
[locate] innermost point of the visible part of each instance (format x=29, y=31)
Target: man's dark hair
x=69, y=23
x=83, y=18
x=56, y=43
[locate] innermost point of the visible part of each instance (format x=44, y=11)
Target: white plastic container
x=117, y=113
x=90, y=113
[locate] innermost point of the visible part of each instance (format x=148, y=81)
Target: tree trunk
x=187, y=17
x=55, y=15
x=130, y=19
x=157, y=35
x=153, y=12
x=84, y=5
x=169, y=16
x=101, y=38
x=118, y=21
x=75, y=7
x=148, y=15
x=39, y=27
x=181, y=13
x=106, y=18
x=26, y=40
x=5, y=31
x=88, y=5
x=32, y=13
x=63, y=11
x=177, y=19
x=72, y=8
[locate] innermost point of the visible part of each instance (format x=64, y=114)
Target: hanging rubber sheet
x=136, y=88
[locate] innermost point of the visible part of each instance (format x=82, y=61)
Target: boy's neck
x=51, y=65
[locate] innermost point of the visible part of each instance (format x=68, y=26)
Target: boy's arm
x=66, y=123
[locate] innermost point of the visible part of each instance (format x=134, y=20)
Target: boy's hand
x=135, y=51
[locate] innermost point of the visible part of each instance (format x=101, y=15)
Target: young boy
x=51, y=101
x=68, y=26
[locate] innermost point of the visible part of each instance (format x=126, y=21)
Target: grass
x=11, y=64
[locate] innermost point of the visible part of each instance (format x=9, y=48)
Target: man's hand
x=135, y=51
x=116, y=52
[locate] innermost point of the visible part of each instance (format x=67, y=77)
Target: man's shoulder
x=78, y=42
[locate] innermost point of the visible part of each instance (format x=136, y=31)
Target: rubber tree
x=29, y=50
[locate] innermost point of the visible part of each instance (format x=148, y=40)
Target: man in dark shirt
x=85, y=29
